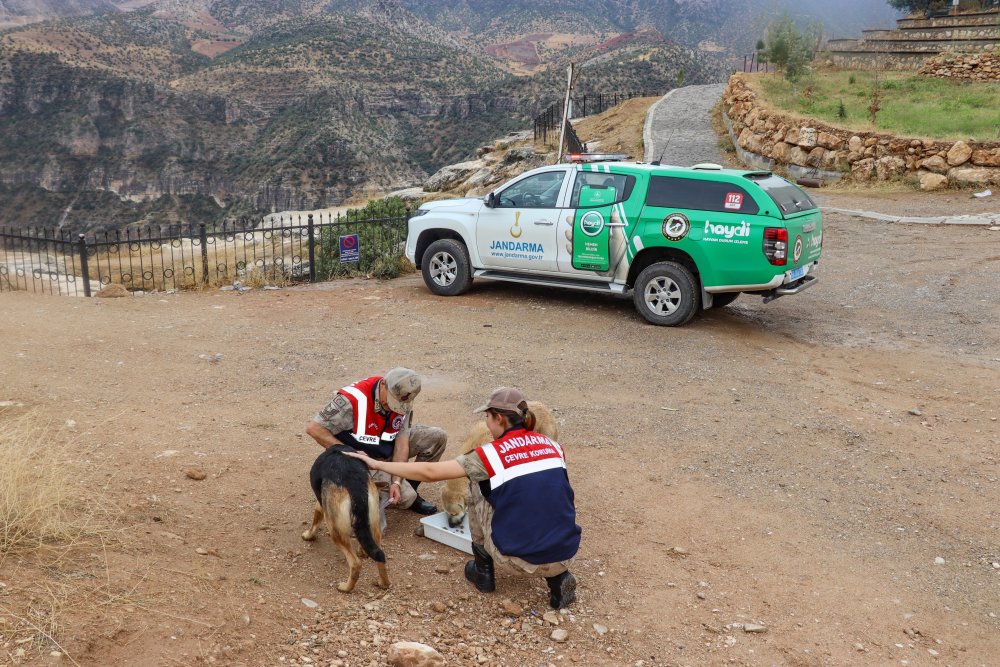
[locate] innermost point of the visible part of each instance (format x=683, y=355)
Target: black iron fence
x=274, y=251
x=753, y=63
x=547, y=122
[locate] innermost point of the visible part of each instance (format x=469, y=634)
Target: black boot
x=562, y=590
x=480, y=570
x=421, y=506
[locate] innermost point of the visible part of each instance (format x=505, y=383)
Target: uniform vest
x=534, y=517
x=374, y=433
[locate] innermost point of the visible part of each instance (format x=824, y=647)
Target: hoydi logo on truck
x=592, y=223
x=741, y=230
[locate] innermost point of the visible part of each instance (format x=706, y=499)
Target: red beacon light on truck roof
x=597, y=157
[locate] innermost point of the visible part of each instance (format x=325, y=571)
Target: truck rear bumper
x=800, y=285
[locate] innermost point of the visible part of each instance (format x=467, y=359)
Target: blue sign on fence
x=350, y=250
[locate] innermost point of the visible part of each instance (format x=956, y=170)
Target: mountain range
x=169, y=110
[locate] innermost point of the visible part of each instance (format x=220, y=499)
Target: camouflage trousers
x=481, y=524
x=427, y=444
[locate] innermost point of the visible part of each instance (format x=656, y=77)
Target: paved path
x=992, y=219
x=679, y=130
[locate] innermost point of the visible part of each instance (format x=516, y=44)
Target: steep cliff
x=231, y=107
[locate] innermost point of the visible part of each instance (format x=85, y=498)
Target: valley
x=149, y=112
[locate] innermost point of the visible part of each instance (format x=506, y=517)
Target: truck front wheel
x=445, y=267
x=666, y=294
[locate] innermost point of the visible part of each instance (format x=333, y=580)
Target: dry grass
x=260, y=258
x=44, y=507
x=256, y=258
x=48, y=517
x=617, y=130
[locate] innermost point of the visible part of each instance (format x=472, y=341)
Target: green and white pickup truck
x=681, y=239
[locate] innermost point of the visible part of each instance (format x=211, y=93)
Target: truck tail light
x=776, y=245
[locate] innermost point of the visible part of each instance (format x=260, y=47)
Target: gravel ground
x=808, y=482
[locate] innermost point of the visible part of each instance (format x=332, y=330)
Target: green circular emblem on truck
x=675, y=227
x=592, y=223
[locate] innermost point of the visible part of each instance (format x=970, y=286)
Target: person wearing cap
x=374, y=416
x=521, y=508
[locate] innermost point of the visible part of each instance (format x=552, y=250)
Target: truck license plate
x=797, y=273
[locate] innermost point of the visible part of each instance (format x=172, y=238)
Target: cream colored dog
x=455, y=496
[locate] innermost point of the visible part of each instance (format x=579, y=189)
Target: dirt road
x=821, y=471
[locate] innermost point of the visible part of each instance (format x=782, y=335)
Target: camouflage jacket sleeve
x=337, y=416
x=473, y=467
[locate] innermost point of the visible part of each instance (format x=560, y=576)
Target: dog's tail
x=364, y=517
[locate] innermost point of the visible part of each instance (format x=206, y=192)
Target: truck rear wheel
x=666, y=294
x=445, y=267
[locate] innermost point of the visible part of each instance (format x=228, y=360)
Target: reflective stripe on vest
x=361, y=421
x=514, y=456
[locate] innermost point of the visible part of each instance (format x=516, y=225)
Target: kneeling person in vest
x=374, y=416
x=521, y=503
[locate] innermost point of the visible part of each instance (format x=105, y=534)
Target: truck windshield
x=788, y=197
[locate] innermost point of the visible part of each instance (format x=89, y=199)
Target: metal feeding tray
x=436, y=528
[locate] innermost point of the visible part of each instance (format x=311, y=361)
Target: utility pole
x=571, y=72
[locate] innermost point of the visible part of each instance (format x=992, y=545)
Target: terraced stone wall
x=916, y=39
x=779, y=139
x=982, y=67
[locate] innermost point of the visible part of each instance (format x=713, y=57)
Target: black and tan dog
x=348, y=499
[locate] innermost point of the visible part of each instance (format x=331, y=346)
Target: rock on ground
x=414, y=654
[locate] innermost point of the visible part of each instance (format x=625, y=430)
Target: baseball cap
x=504, y=398
x=402, y=385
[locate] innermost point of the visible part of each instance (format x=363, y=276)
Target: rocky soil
x=810, y=482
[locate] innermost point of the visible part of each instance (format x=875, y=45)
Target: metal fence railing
x=754, y=63
x=278, y=251
x=548, y=121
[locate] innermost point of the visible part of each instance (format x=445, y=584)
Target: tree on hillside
x=789, y=48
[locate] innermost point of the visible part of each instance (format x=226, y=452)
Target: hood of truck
x=468, y=204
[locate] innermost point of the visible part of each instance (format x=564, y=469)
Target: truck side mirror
x=491, y=200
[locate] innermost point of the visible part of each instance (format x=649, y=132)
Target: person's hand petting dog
x=367, y=460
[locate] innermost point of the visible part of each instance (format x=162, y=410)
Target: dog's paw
x=308, y=536
x=345, y=587
x=384, y=585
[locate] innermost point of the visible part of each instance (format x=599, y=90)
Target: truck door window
x=538, y=191
x=699, y=195
x=622, y=185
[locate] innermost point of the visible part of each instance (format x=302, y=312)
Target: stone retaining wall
x=865, y=156
x=981, y=67
x=875, y=61
x=915, y=39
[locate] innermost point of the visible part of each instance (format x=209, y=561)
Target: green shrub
x=387, y=268
x=381, y=229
